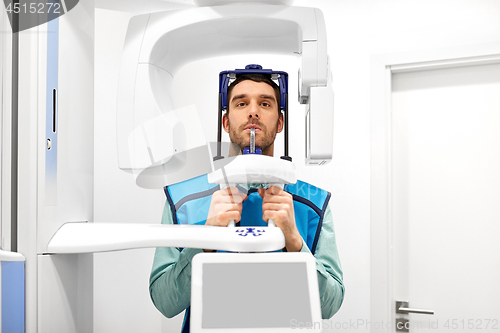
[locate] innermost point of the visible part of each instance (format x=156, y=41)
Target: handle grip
x=270, y=222
x=403, y=307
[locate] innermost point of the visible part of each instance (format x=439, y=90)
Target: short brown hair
x=256, y=78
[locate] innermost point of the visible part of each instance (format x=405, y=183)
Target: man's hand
x=278, y=205
x=226, y=205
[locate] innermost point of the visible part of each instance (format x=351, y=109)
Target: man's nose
x=253, y=110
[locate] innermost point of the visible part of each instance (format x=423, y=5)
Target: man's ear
x=280, y=123
x=225, y=122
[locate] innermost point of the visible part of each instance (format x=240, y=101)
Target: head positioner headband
x=226, y=76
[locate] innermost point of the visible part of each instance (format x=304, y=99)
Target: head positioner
x=225, y=79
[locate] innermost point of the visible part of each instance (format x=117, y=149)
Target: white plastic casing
x=319, y=126
x=254, y=169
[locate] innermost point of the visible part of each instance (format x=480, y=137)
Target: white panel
x=75, y=123
x=319, y=126
x=258, y=302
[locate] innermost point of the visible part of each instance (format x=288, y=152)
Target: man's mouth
x=249, y=127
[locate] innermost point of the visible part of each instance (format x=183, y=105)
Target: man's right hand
x=226, y=205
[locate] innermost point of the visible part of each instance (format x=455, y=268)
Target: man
x=301, y=210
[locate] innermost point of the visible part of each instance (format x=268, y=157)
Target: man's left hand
x=278, y=205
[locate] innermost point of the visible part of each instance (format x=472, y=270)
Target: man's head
x=253, y=101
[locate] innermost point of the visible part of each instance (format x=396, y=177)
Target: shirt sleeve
x=170, y=280
x=330, y=276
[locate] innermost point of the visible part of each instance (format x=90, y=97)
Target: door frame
x=382, y=307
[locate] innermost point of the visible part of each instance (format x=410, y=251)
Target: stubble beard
x=266, y=141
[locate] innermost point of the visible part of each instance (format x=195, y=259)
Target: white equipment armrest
x=102, y=237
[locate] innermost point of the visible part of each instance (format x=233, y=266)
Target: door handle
x=403, y=307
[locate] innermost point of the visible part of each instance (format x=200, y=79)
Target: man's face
x=253, y=104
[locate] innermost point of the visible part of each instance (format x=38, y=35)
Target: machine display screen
x=255, y=295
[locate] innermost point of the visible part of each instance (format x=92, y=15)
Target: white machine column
x=55, y=167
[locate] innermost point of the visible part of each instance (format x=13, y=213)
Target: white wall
x=121, y=301
x=356, y=31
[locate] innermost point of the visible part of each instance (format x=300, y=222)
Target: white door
x=445, y=198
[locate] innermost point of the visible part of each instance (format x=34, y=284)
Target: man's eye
x=241, y=104
x=266, y=104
